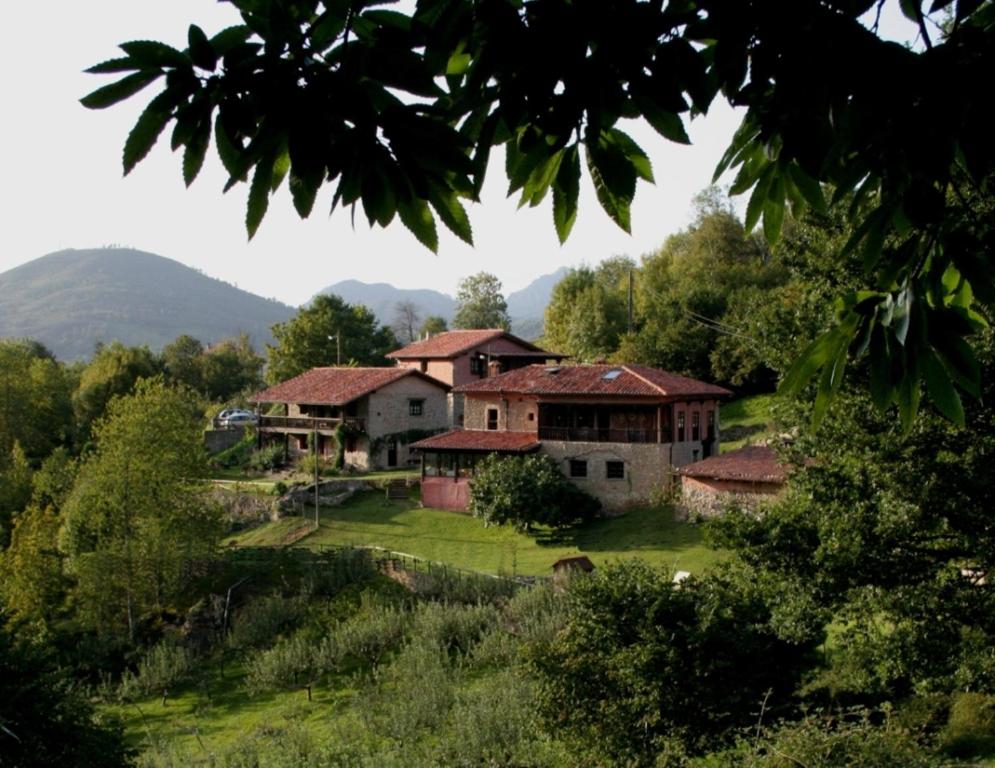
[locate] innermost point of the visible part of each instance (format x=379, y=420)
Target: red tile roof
x=480, y=440
x=754, y=463
x=335, y=386
x=624, y=380
x=454, y=343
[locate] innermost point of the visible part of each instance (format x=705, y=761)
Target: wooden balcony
x=308, y=424
x=602, y=435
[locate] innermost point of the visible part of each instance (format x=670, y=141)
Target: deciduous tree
x=319, y=332
x=480, y=303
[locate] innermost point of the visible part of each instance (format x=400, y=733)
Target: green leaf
x=304, y=190
x=125, y=64
x=566, y=190
x=196, y=149
x=757, y=200
x=829, y=384
x=228, y=38
x=941, y=390
x=230, y=154
x=667, y=124
x=882, y=388
x=615, y=204
x=152, y=53
x=810, y=189
x=447, y=204
x=745, y=134
x=281, y=165
x=961, y=362
x=147, y=129
x=639, y=159
x=201, y=51
x=119, y=91
x=774, y=209
x=417, y=217
x=259, y=192
x=815, y=356
x=908, y=400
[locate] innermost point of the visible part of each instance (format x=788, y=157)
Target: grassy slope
x=745, y=421
x=463, y=541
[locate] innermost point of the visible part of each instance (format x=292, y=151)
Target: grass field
x=369, y=519
x=746, y=421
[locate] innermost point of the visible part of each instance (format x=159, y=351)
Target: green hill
x=72, y=299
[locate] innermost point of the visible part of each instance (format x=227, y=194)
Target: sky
x=63, y=185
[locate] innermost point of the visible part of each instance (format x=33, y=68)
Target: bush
x=527, y=491
x=259, y=623
x=266, y=459
x=163, y=667
x=453, y=628
x=293, y=662
x=970, y=731
x=236, y=456
x=306, y=466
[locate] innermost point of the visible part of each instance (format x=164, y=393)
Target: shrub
x=293, y=662
x=163, y=667
x=266, y=459
x=261, y=621
x=306, y=466
x=236, y=456
x=453, y=628
x=970, y=730
x=373, y=632
x=527, y=491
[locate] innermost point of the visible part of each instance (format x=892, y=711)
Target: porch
x=578, y=422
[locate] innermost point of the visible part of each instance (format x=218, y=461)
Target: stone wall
x=387, y=412
x=646, y=469
x=709, y=497
x=217, y=440
x=513, y=413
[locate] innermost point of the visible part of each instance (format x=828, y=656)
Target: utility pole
x=315, y=455
x=338, y=346
x=630, y=301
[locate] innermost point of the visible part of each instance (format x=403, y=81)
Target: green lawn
x=746, y=421
x=460, y=540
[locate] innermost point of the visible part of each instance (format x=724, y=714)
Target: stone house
x=376, y=412
x=747, y=477
x=618, y=432
x=464, y=356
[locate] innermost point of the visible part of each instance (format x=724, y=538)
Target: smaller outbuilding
x=746, y=477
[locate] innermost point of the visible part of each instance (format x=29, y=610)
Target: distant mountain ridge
x=526, y=306
x=70, y=300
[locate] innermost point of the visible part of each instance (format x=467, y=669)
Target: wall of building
x=647, y=469
x=460, y=367
x=513, y=413
x=703, y=497
x=386, y=412
x=445, y=493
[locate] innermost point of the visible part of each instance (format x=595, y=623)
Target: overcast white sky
x=63, y=185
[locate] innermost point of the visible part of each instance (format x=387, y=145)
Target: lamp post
x=338, y=347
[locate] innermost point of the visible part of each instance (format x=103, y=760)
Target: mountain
x=70, y=300
x=531, y=301
x=383, y=298
x=526, y=306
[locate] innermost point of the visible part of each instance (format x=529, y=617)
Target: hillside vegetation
x=72, y=299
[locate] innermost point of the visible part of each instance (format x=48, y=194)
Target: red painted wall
x=445, y=493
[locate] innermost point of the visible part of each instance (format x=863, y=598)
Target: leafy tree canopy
x=35, y=406
x=114, y=370
x=317, y=334
x=432, y=325
x=401, y=111
x=480, y=303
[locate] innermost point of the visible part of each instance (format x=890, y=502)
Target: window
x=477, y=365
x=611, y=375
x=578, y=468
x=492, y=418
x=532, y=416
x=711, y=425
x=680, y=426
x=351, y=444
x=696, y=426
x=615, y=470
x=416, y=407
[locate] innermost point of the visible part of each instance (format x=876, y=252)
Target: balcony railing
x=598, y=435
x=309, y=423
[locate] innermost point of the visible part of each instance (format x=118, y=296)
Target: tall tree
x=326, y=332
x=183, y=361
x=587, y=312
x=551, y=81
x=231, y=367
x=480, y=303
x=406, y=321
x=136, y=518
x=35, y=406
x=113, y=370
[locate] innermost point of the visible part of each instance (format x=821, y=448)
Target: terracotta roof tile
x=335, y=386
x=754, y=463
x=454, y=343
x=480, y=440
x=607, y=380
